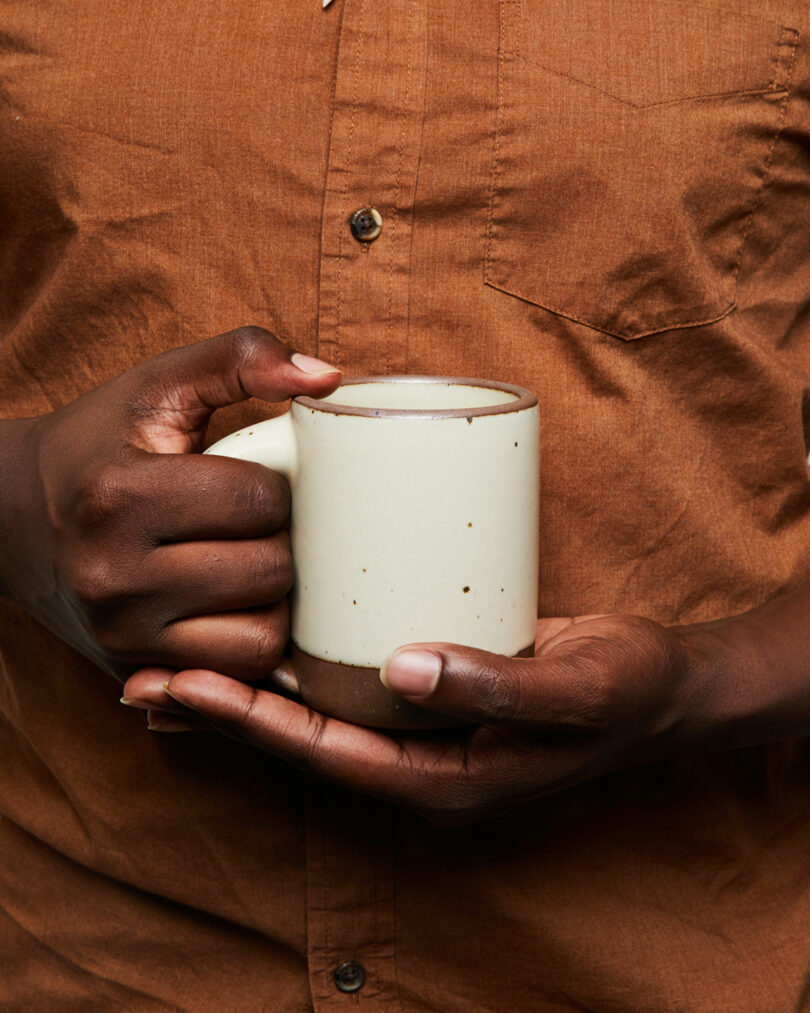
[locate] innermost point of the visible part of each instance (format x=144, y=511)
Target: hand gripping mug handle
x=271, y=443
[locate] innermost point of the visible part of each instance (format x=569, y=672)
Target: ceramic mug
x=414, y=519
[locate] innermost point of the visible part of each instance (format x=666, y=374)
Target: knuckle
x=114, y=615
x=104, y=495
x=250, y=341
x=311, y=751
x=94, y=581
x=268, y=646
x=599, y=700
x=266, y=494
x=616, y=675
x=275, y=496
x=277, y=566
x=500, y=689
x=649, y=645
x=244, y=714
x=308, y=754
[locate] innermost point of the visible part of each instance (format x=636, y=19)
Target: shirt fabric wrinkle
x=602, y=203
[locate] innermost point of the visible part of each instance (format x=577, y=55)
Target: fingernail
x=131, y=701
x=285, y=678
x=412, y=673
x=167, y=724
x=307, y=364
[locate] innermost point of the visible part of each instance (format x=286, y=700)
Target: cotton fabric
x=604, y=201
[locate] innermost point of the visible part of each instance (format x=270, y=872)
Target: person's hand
x=134, y=548
x=602, y=692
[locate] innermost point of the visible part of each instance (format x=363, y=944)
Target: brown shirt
x=606, y=202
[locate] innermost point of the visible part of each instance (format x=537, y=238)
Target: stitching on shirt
x=325, y=875
x=785, y=59
x=783, y=62
x=604, y=330
x=375, y=893
x=344, y=200
x=392, y=858
x=326, y=190
x=787, y=36
x=770, y=89
x=414, y=192
x=502, y=5
x=395, y=206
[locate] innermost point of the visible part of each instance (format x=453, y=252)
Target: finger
x=486, y=688
x=449, y=780
x=144, y=690
x=200, y=578
x=173, y=394
x=174, y=498
x=360, y=759
x=547, y=631
x=283, y=677
x=244, y=645
x=162, y=721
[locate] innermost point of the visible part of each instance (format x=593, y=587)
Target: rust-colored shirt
x=605, y=201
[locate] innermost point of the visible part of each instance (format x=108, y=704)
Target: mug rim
x=524, y=398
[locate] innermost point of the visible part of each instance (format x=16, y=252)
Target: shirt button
x=350, y=976
x=366, y=224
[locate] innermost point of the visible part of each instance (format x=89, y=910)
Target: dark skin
x=99, y=558
x=601, y=693
x=133, y=547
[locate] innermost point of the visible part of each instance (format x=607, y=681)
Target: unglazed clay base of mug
x=354, y=693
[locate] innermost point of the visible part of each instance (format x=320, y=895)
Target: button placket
x=375, y=141
x=350, y=901
x=373, y=158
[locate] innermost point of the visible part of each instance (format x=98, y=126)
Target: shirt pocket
x=634, y=138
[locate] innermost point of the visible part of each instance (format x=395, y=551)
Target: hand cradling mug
x=414, y=519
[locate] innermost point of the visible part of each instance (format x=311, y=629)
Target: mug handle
x=271, y=443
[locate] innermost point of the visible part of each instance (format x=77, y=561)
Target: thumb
x=478, y=686
x=172, y=395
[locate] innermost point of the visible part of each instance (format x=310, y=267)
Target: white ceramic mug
x=414, y=519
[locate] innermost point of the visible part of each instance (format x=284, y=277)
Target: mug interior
x=430, y=395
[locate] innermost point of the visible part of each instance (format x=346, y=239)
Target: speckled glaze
x=414, y=518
